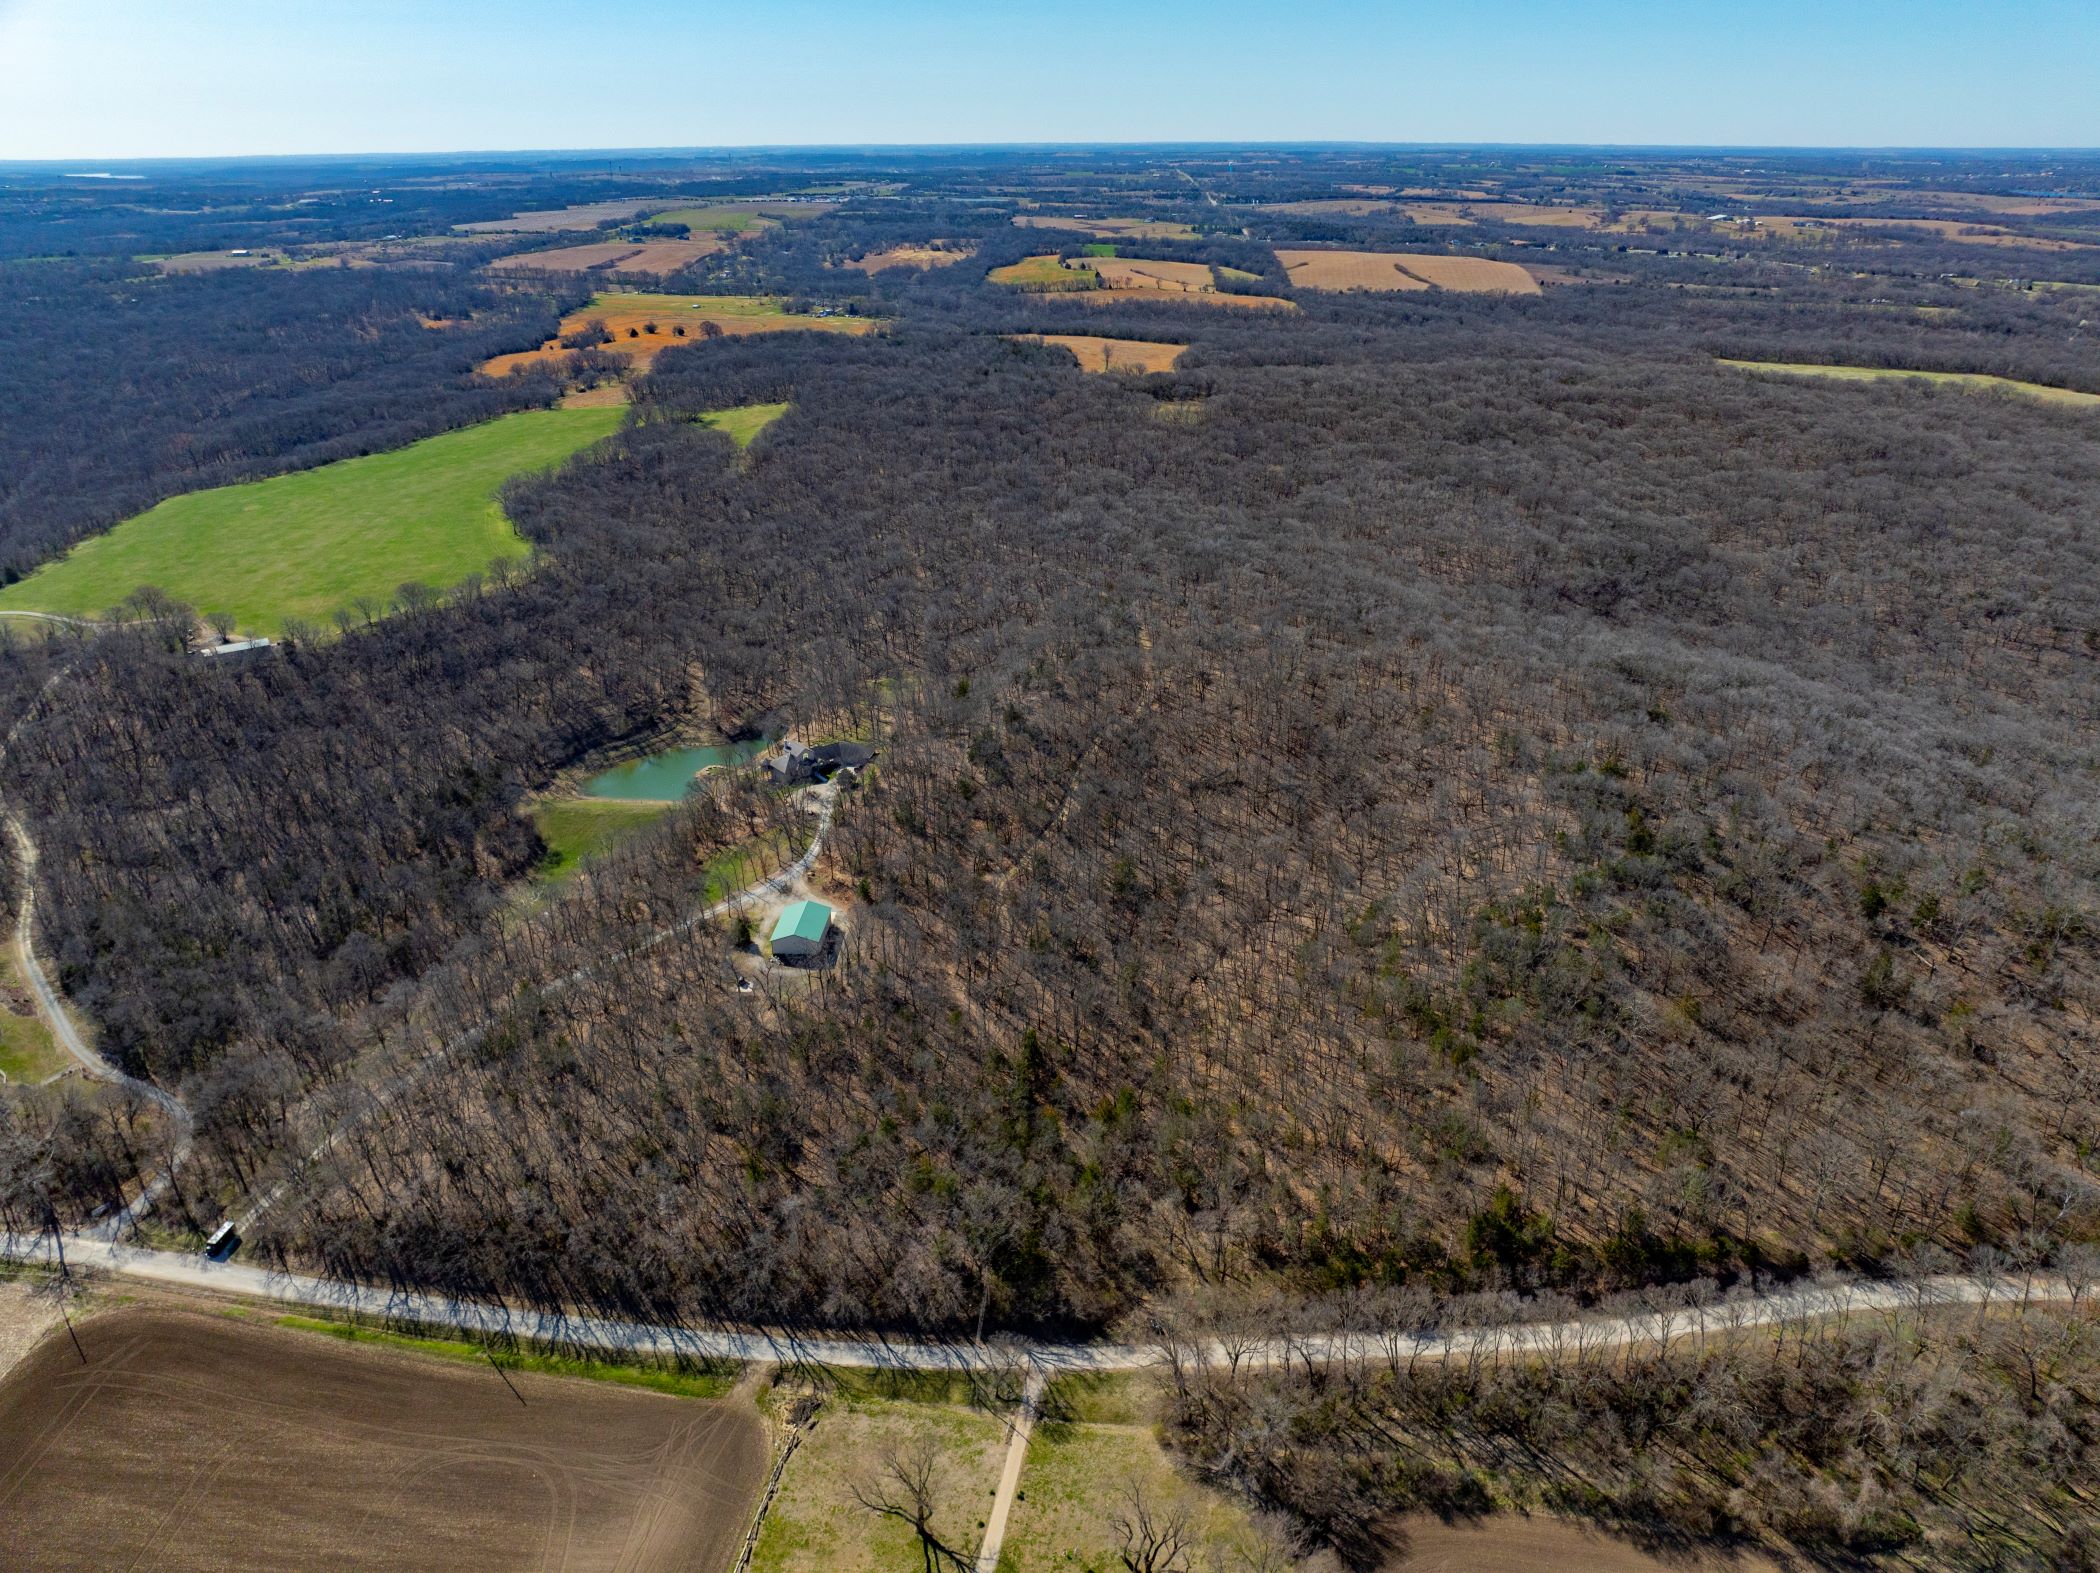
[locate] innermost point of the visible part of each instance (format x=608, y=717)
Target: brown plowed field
x=197, y=1441
x=1403, y=270
x=1098, y=354
x=1155, y=297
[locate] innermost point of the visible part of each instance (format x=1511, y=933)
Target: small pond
x=663, y=778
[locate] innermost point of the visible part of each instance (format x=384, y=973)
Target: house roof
x=809, y=920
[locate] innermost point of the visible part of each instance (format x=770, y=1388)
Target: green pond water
x=663, y=778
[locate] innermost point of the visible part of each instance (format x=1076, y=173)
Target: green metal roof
x=809, y=920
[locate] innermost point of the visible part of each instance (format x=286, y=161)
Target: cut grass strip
x=690, y=1381
x=1973, y=380
x=312, y=543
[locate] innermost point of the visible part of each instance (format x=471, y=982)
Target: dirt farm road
x=1735, y=1313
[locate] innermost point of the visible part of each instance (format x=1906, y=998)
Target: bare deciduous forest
x=1436, y=795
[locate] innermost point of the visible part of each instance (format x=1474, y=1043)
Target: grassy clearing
x=743, y=424
x=1975, y=381
x=1097, y=354
x=815, y=1521
x=577, y=828
x=714, y=221
x=1044, y=272
x=308, y=544
x=691, y=1380
x=1077, y=1478
x=1099, y=248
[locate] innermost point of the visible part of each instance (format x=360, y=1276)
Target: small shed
x=800, y=930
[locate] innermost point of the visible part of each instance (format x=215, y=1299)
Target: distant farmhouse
x=800, y=930
x=799, y=763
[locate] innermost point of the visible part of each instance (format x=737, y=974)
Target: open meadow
x=1109, y=228
x=936, y=255
x=643, y=325
x=189, y=1440
x=308, y=544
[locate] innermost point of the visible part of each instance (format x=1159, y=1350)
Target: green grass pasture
x=308, y=544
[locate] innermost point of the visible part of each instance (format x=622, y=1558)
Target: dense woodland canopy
x=1440, y=791
x=1439, y=809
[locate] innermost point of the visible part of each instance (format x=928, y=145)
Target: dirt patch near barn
x=1404, y=271
x=1097, y=354
x=199, y=1441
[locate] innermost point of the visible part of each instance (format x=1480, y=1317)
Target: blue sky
x=87, y=79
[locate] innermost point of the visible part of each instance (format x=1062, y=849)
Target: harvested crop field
x=911, y=257
x=629, y=315
x=612, y=256
x=1141, y=273
x=1045, y=272
x=1098, y=354
x=586, y=215
x=198, y=1441
x=1109, y=228
x=1510, y=1543
x=1404, y=270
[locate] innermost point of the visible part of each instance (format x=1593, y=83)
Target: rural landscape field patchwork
x=1178, y=858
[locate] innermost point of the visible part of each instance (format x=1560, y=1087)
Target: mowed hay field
x=307, y=544
x=1974, y=381
x=1404, y=270
x=628, y=314
x=201, y=1441
x=1098, y=354
x=612, y=256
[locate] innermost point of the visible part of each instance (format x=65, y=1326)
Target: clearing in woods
x=643, y=325
x=308, y=544
x=198, y=1441
x=547, y=221
x=743, y=424
x=1973, y=380
x=874, y=1417
x=576, y=828
x=940, y=254
x=1078, y=1474
x=1404, y=270
x=1098, y=354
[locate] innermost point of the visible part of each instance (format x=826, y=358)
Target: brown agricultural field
x=1404, y=270
x=189, y=1440
x=612, y=256
x=1513, y=1543
x=1110, y=228
x=1102, y=297
x=1959, y=231
x=1098, y=354
x=937, y=255
x=1139, y=273
x=587, y=215
x=628, y=315
x=1330, y=207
